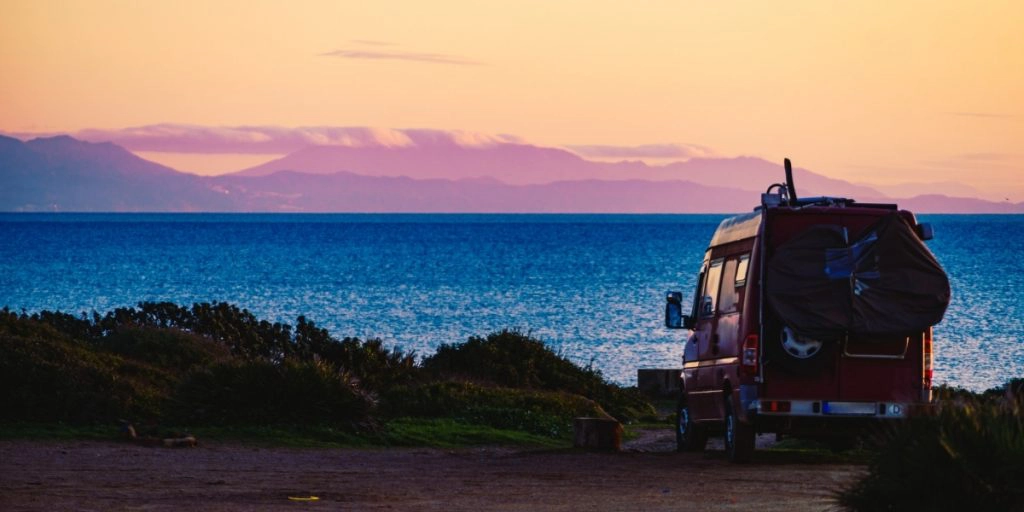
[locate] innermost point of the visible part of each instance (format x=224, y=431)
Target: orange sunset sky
x=871, y=92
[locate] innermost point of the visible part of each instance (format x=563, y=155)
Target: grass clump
x=547, y=413
x=968, y=455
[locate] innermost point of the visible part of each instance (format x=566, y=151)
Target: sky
x=871, y=92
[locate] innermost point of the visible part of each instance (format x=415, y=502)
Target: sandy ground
x=646, y=476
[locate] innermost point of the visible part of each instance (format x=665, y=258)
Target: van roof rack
x=775, y=201
x=841, y=202
x=883, y=206
x=786, y=196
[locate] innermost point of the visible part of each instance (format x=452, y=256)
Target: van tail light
x=776, y=406
x=927, y=367
x=748, y=356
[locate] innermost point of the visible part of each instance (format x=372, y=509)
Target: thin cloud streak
x=643, y=151
x=184, y=138
x=429, y=58
x=371, y=42
x=982, y=114
x=987, y=157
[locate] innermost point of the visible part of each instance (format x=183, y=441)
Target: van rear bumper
x=824, y=418
x=831, y=408
x=819, y=427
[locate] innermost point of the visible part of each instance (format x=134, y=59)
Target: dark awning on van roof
x=885, y=282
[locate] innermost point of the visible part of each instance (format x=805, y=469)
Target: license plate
x=850, y=408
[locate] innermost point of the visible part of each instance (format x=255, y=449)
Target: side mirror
x=674, y=310
x=674, y=317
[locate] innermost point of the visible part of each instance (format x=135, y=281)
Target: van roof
x=737, y=228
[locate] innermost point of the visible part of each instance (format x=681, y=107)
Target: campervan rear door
x=873, y=368
x=789, y=376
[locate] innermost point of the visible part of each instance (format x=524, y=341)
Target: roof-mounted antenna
x=789, y=182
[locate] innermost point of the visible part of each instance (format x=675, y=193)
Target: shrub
x=969, y=455
x=377, y=368
x=266, y=393
x=167, y=348
x=515, y=360
x=45, y=376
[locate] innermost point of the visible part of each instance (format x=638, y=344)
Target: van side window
x=729, y=296
x=741, y=270
x=698, y=293
x=710, y=295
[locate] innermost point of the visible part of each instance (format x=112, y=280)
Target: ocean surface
x=592, y=286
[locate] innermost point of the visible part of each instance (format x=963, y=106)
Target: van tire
x=739, y=436
x=690, y=437
x=787, y=362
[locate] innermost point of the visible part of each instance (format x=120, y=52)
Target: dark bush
x=167, y=348
x=512, y=359
x=376, y=367
x=45, y=376
x=969, y=455
x=263, y=392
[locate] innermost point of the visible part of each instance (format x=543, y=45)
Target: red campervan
x=812, y=317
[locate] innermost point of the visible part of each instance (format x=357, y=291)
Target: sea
x=591, y=286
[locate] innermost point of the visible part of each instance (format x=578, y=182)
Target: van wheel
x=799, y=347
x=690, y=437
x=798, y=354
x=739, y=436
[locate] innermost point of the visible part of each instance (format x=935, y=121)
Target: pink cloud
x=371, y=42
x=183, y=138
x=991, y=115
x=430, y=58
x=643, y=151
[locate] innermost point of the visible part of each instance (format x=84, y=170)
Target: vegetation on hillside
x=218, y=365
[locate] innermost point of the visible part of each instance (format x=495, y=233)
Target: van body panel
x=888, y=369
x=725, y=341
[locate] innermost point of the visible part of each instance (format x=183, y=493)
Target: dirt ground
x=646, y=476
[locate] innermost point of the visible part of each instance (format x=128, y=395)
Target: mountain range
x=62, y=173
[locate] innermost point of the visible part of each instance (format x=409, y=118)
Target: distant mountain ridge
x=523, y=164
x=65, y=174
